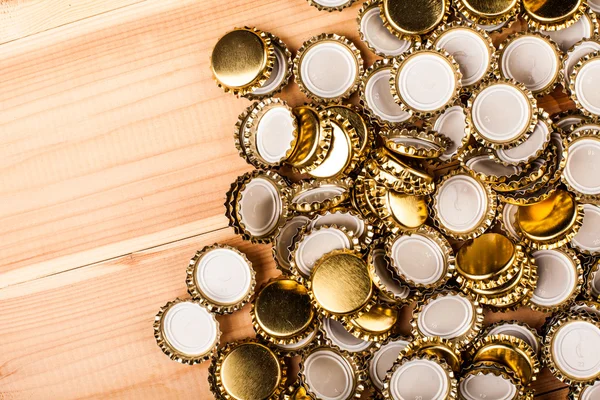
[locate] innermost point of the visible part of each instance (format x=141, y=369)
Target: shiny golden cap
x=314, y=196
x=550, y=223
x=356, y=119
x=489, y=289
x=552, y=15
x=375, y=325
x=486, y=257
x=408, y=19
x=390, y=286
x=471, y=384
x=435, y=346
x=488, y=12
x=246, y=370
x=480, y=161
x=415, y=143
x=314, y=140
x=242, y=60
x=518, y=329
x=282, y=313
x=340, y=285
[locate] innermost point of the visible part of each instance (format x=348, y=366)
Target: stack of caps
x=449, y=188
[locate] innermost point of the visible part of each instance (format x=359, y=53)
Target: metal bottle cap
x=382, y=358
x=489, y=380
x=410, y=19
x=336, y=335
x=374, y=33
x=586, y=70
x=552, y=14
x=586, y=27
x=586, y=240
x=281, y=74
x=487, y=12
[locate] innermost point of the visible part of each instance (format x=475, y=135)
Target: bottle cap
x=302, y=345
x=585, y=28
x=471, y=47
x=328, y=373
x=376, y=97
x=281, y=312
x=489, y=380
x=186, y=331
x=435, y=346
x=506, y=219
x=531, y=59
x=259, y=205
x=560, y=278
x=487, y=258
x=349, y=218
x=344, y=153
x=550, y=223
x=482, y=164
x=392, y=172
x=331, y=5
x=585, y=392
x=583, y=156
x=552, y=15
x=246, y=370
x=532, y=177
x=509, y=351
x=573, y=55
x=464, y=207
x=586, y=70
x=375, y=325
x=453, y=124
x=533, y=147
x=488, y=12
x=572, y=347
x=510, y=127
x=423, y=258
x=221, y=278
x=238, y=131
x=592, y=281
x=382, y=358
x=415, y=143
x=383, y=276
x=509, y=284
x=340, y=285
x=270, y=133
x=355, y=117
x=450, y=315
x=312, y=244
x=281, y=73
x=312, y=196
x=517, y=329
x=567, y=119
x=314, y=139
x=242, y=60
x=439, y=380
x=409, y=19
x=425, y=67
x=586, y=240
x=328, y=68
x=336, y=335
x=285, y=239
x=375, y=35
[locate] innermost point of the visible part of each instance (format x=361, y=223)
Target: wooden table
x=116, y=152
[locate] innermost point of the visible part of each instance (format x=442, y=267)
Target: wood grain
x=115, y=156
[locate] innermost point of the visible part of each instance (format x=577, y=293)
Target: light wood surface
x=115, y=156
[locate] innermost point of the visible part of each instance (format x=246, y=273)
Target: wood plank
x=19, y=19
x=560, y=394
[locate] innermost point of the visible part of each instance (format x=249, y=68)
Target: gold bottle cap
x=313, y=243
x=480, y=161
x=550, y=223
x=375, y=35
x=246, y=370
x=331, y=5
x=344, y=153
x=434, y=346
x=392, y=172
x=340, y=285
x=282, y=313
x=592, y=281
x=506, y=284
x=186, y=331
x=350, y=219
x=450, y=315
x=383, y=276
x=464, y=207
x=238, y=131
x=552, y=15
x=541, y=73
x=583, y=156
x=533, y=176
x=487, y=257
x=375, y=325
x=285, y=240
x=281, y=74
x=436, y=377
x=503, y=126
x=471, y=47
x=453, y=124
x=489, y=380
x=314, y=139
x=485, y=12
x=560, y=279
x=221, y=278
x=438, y=76
x=534, y=147
x=376, y=97
x=573, y=55
x=586, y=27
x=409, y=19
x=585, y=392
x=415, y=143
x=242, y=60
x=572, y=347
x=328, y=67
x=313, y=196
x=509, y=351
x=382, y=358
x=354, y=115
x=328, y=373
x=564, y=121
x=270, y=133
x=518, y=329
x=506, y=220
x=260, y=205
x=336, y=335
x=399, y=211
x=422, y=258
